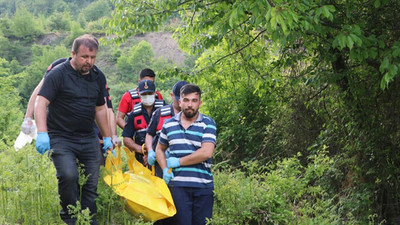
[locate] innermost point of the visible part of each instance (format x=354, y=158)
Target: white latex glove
x=24, y=138
x=28, y=126
x=115, y=140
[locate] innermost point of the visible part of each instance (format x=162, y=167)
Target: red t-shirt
x=126, y=104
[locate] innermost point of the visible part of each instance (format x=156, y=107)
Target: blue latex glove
x=42, y=142
x=107, y=144
x=173, y=162
x=167, y=154
x=167, y=176
x=151, y=157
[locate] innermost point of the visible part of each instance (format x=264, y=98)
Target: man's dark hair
x=190, y=88
x=86, y=40
x=146, y=73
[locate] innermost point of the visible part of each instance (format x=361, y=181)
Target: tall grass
x=28, y=192
x=28, y=188
x=285, y=193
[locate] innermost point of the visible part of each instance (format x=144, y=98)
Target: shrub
x=24, y=25
x=28, y=188
x=59, y=21
x=285, y=193
x=96, y=10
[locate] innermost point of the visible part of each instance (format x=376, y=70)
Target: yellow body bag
x=145, y=195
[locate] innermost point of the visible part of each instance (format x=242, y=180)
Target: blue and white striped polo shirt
x=183, y=142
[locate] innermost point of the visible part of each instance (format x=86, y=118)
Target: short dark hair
x=146, y=73
x=190, y=88
x=86, y=40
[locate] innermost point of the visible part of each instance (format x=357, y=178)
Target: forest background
x=304, y=94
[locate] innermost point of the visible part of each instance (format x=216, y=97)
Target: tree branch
x=237, y=50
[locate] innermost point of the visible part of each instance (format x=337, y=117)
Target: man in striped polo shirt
x=191, y=138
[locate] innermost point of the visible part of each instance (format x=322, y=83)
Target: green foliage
x=24, y=25
x=256, y=194
x=28, y=193
x=7, y=7
x=138, y=57
x=83, y=217
x=96, y=10
x=279, y=77
x=247, y=98
x=5, y=24
x=118, y=89
x=4, y=46
x=10, y=68
x=42, y=57
x=43, y=7
x=95, y=27
x=10, y=112
x=76, y=31
x=4, y=68
x=279, y=194
x=60, y=6
x=59, y=21
x=312, y=73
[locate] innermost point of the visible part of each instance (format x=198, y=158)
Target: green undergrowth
x=283, y=193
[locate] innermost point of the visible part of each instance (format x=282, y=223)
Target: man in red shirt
x=131, y=97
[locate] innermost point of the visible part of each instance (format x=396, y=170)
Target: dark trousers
x=65, y=153
x=193, y=206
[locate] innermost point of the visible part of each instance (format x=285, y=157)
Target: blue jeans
x=65, y=154
x=193, y=205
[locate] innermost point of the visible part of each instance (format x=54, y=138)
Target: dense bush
x=42, y=57
x=28, y=188
x=24, y=25
x=10, y=111
x=59, y=21
x=96, y=10
x=135, y=59
x=285, y=193
x=281, y=193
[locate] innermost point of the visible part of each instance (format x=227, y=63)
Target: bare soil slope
x=165, y=46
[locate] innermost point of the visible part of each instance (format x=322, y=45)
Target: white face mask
x=148, y=100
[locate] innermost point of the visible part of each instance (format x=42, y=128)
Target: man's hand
x=116, y=141
x=107, y=144
x=27, y=126
x=167, y=176
x=42, y=142
x=173, y=162
x=151, y=157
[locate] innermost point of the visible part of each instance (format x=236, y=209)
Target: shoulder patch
x=49, y=68
x=137, y=109
x=158, y=103
x=134, y=94
x=166, y=111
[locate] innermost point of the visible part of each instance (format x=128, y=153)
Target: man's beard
x=85, y=69
x=190, y=113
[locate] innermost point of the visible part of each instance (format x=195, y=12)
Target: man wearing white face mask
x=135, y=130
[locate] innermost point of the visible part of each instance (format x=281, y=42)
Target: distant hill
x=163, y=45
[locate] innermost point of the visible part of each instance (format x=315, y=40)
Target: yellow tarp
x=145, y=195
